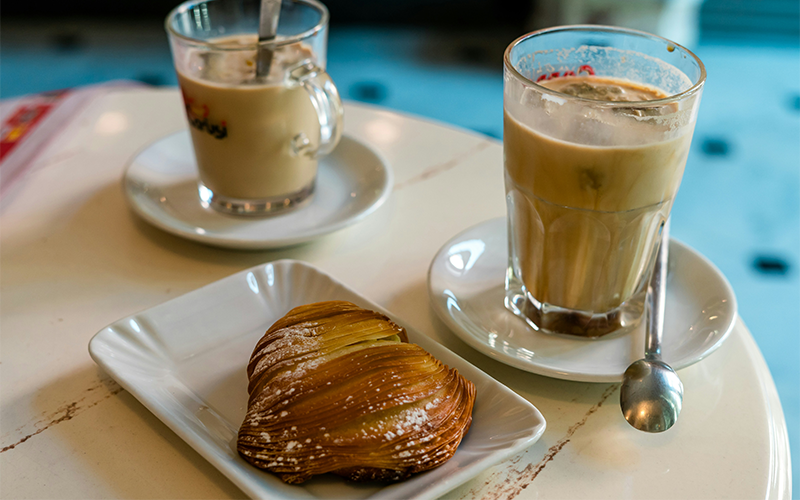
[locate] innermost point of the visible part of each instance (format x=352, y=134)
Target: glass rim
x=189, y=4
x=694, y=89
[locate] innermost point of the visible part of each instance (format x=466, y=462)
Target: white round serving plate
x=466, y=285
x=161, y=186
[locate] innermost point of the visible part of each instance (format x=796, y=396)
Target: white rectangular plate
x=185, y=361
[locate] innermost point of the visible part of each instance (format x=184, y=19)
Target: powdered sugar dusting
x=415, y=417
x=432, y=404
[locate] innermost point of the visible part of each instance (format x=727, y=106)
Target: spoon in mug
x=652, y=393
x=267, y=29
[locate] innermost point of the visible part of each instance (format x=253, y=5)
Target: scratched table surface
x=74, y=259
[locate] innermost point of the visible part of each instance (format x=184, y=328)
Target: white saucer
x=466, y=285
x=161, y=186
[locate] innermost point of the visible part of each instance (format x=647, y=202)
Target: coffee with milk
x=586, y=207
x=243, y=128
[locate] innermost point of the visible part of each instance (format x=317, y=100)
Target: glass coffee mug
x=256, y=138
x=597, y=127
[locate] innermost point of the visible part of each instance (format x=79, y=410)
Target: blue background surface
x=739, y=203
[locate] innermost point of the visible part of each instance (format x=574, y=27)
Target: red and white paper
x=30, y=122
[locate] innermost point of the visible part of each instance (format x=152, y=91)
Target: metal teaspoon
x=651, y=396
x=267, y=29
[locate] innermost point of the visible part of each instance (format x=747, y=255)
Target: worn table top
x=74, y=259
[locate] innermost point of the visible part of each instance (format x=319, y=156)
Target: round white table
x=74, y=259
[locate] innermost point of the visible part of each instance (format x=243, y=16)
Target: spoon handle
x=657, y=297
x=268, y=16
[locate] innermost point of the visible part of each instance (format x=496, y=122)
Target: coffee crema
x=601, y=88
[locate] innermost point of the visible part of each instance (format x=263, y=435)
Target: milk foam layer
x=235, y=61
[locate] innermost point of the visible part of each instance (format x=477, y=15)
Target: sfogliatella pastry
x=337, y=388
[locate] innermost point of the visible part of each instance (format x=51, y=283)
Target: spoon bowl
x=651, y=395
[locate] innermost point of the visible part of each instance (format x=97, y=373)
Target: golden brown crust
x=336, y=388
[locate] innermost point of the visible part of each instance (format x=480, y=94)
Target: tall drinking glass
x=597, y=127
x=256, y=137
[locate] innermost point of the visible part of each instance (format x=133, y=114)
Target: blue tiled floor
x=739, y=203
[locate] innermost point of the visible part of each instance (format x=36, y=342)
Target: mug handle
x=327, y=103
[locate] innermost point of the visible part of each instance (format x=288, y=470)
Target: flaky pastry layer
x=337, y=388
